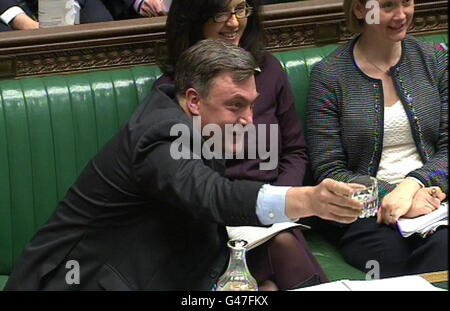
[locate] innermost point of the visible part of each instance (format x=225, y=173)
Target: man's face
x=228, y=102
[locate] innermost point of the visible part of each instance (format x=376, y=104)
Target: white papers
x=337, y=286
x=401, y=283
x=257, y=235
x=425, y=224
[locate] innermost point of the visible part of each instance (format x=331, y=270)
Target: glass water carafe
x=237, y=277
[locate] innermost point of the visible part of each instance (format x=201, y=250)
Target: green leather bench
x=51, y=126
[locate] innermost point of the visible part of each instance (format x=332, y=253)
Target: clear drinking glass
x=237, y=277
x=368, y=196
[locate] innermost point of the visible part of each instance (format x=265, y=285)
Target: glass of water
x=368, y=196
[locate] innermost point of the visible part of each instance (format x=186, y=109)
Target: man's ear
x=359, y=9
x=192, y=101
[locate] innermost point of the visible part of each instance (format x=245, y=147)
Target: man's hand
x=329, y=200
x=425, y=201
x=152, y=8
x=22, y=22
x=398, y=202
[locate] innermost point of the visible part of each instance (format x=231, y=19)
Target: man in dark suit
x=21, y=15
x=140, y=217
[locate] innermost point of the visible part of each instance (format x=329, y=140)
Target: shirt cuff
x=10, y=14
x=271, y=205
x=417, y=181
x=137, y=5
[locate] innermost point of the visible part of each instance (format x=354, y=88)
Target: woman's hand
x=398, y=202
x=425, y=201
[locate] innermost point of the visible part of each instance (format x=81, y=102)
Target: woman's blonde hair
x=354, y=24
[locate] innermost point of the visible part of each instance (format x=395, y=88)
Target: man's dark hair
x=184, y=27
x=202, y=62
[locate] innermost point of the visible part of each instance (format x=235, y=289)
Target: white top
x=400, y=155
x=399, y=283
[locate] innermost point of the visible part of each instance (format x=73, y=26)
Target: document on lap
x=426, y=224
x=258, y=235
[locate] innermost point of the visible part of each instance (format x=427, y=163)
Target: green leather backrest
x=298, y=65
x=50, y=127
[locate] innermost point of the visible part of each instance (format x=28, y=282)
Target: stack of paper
x=257, y=235
x=425, y=224
x=401, y=283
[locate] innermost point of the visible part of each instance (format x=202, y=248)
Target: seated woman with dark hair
x=285, y=260
x=378, y=106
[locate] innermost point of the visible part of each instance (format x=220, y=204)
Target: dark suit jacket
x=31, y=4
x=138, y=219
